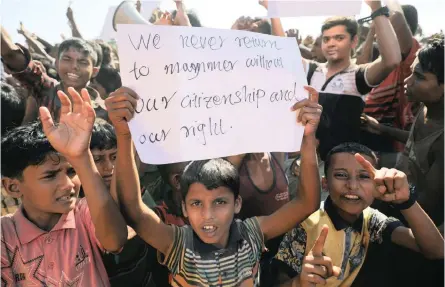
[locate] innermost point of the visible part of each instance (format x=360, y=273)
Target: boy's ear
x=176, y=181
x=11, y=185
x=354, y=42
x=184, y=210
x=238, y=204
x=95, y=72
x=324, y=183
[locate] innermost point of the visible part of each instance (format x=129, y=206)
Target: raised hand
x=294, y=33
x=121, y=105
x=391, y=184
x=370, y=124
x=309, y=112
x=316, y=267
x=165, y=19
x=374, y=4
x=71, y=136
x=264, y=3
x=21, y=30
x=181, y=18
x=69, y=14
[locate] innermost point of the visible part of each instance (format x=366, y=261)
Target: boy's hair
x=13, y=107
x=98, y=51
x=22, y=147
x=349, y=147
x=212, y=173
x=265, y=26
x=349, y=22
x=173, y=168
x=109, y=78
x=82, y=46
x=103, y=136
x=411, y=17
x=106, y=52
x=431, y=57
x=193, y=18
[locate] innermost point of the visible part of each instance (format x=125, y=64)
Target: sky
x=47, y=18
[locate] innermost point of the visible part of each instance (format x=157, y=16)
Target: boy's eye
x=97, y=159
x=50, y=176
x=364, y=176
x=71, y=172
x=339, y=38
x=341, y=175
x=196, y=203
x=220, y=202
x=113, y=157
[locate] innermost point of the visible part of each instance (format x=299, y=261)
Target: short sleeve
x=380, y=226
x=363, y=87
x=291, y=252
x=172, y=260
x=254, y=235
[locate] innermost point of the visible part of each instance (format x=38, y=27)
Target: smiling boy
x=335, y=259
x=215, y=250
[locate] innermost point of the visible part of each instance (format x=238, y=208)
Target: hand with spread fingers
x=165, y=19
x=121, y=105
x=71, y=136
x=309, y=112
x=181, y=18
x=316, y=267
x=391, y=184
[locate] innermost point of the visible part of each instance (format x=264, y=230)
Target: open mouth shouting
x=353, y=198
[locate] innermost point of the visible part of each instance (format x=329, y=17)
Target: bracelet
x=410, y=202
x=383, y=11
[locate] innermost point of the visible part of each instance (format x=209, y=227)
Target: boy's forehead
x=103, y=151
x=336, y=30
x=199, y=191
x=347, y=160
x=73, y=51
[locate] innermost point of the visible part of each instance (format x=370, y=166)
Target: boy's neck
x=44, y=221
x=337, y=66
x=435, y=111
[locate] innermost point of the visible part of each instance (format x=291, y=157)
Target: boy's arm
x=72, y=22
x=11, y=54
x=38, y=47
x=71, y=138
x=277, y=28
x=423, y=236
x=389, y=49
x=373, y=126
x=146, y=223
x=308, y=197
x=403, y=32
x=364, y=53
x=392, y=187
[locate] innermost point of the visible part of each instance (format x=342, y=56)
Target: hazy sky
x=47, y=17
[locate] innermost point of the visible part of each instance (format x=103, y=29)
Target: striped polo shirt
x=195, y=263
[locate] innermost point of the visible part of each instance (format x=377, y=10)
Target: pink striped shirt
x=68, y=255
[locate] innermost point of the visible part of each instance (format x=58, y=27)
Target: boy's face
x=337, y=43
x=211, y=212
x=350, y=185
x=105, y=160
x=422, y=86
x=49, y=188
x=75, y=69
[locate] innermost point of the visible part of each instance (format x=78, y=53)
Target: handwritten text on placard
x=208, y=93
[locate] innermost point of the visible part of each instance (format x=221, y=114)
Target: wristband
x=410, y=202
x=383, y=11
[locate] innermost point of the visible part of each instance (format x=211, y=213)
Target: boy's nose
x=207, y=213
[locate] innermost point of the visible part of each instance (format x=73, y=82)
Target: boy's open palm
x=391, y=184
x=71, y=136
x=317, y=267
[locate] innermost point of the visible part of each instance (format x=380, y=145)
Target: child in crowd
x=54, y=238
x=215, y=249
x=335, y=259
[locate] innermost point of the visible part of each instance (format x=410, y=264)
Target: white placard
x=208, y=93
x=296, y=8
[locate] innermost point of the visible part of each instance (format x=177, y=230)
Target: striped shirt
x=194, y=263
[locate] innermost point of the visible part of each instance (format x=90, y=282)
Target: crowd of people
x=361, y=203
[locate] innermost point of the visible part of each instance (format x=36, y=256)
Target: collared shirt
x=194, y=263
x=346, y=243
x=68, y=255
x=342, y=99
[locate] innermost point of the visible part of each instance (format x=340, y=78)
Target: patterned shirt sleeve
x=291, y=252
x=173, y=258
x=381, y=227
x=255, y=235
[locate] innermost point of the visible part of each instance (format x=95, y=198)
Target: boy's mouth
x=209, y=229
x=351, y=197
x=72, y=76
x=66, y=198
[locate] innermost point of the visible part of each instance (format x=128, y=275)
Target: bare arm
x=364, y=55
x=423, y=236
x=11, y=53
x=120, y=105
x=38, y=47
x=236, y=160
x=46, y=44
x=395, y=133
x=389, y=49
x=277, y=28
x=74, y=30
x=403, y=32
